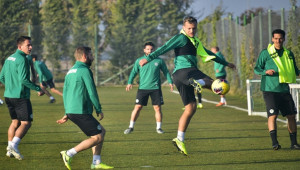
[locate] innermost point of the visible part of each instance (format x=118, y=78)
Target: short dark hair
x=21, y=39
x=189, y=19
x=80, y=51
x=278, y=31
x=149, y=43
x=217, y=48
x=34, y=56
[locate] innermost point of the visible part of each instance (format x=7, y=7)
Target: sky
x=237, y=7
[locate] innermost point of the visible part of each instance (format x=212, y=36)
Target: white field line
x=233, y=107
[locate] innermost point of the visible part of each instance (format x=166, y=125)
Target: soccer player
x=186, y=75
x=199, y=96
x=149, y=85
x=220, y=72
x=80, y=96
x=32, y=70
x=45, y=77
x=15, y=75
x=277, y=68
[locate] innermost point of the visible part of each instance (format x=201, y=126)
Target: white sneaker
x=129, y=130
x=9, y=154
x=15, y=152
x=160, y=131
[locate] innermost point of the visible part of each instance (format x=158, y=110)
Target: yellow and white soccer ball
x=220, y=86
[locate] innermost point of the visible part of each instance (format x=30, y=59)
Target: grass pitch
x=217, y=137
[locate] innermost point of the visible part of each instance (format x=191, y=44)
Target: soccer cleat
x=129, y=130
x=15, y=152
x=180, y=146
x=9, y=154
x=197, y=86
x=67, y=159
x=276, y=147
x=199, y=106
x=101, y=166
x=52, y=101
x=160, y=131
x=296, y=147
x=220, y=104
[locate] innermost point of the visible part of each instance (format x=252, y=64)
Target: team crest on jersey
x=99, y=127
x=11, y=58
x=156, y=64
x=72, y=71
x=137, y=100
x=271, y=111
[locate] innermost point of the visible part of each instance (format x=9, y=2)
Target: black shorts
x=19, y=109
x=143, y=95
x=87, y=123
x=282, y=102
x=48, y=83
x=181, y=80
x=221, y=77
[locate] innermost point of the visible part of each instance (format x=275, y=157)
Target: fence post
x=29, y=30
x=96, y=54
x=223, y=33
x=282, y=18
x=252, y=27
x=260, y=30
x=238, y=62
x=270, y=25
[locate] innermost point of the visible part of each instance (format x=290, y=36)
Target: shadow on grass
x=232, y=163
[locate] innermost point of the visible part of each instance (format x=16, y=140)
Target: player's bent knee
x=26, y=123
x=97, y=138
x=291, y=117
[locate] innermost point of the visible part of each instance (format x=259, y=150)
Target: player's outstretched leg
x=128, y=130
x=101, y=166
x=15, y=152
x=180, y=146
x=197, y=86
x=67, y=159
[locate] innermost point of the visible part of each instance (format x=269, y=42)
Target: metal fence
x=239, y=42
x=246, y=40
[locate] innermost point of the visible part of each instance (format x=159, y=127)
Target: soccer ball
x=220, y=86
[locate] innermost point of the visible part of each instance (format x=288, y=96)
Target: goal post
x=255, y=101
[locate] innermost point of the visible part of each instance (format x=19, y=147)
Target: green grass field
x=217, y=138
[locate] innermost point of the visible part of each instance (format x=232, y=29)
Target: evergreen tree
x=13, y=18
x=56, y=23
x=80, y=23
x=36, y=27
x=172, y=14
x=124, y=32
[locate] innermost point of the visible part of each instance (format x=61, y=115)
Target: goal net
x=255, y=101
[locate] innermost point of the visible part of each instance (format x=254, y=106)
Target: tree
x=172, y=14
x=79, y=24
x=123, y=29
x=210, y=19
x=36, y=29
x=293, y=36
x=56, y=22
x=13, y=18
x=247, y=14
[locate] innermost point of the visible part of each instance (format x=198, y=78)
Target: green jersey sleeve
x=166, y=71
x=92, y=91
x=178, y=40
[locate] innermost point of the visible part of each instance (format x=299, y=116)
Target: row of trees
x=121, y=27
x=57, y=27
